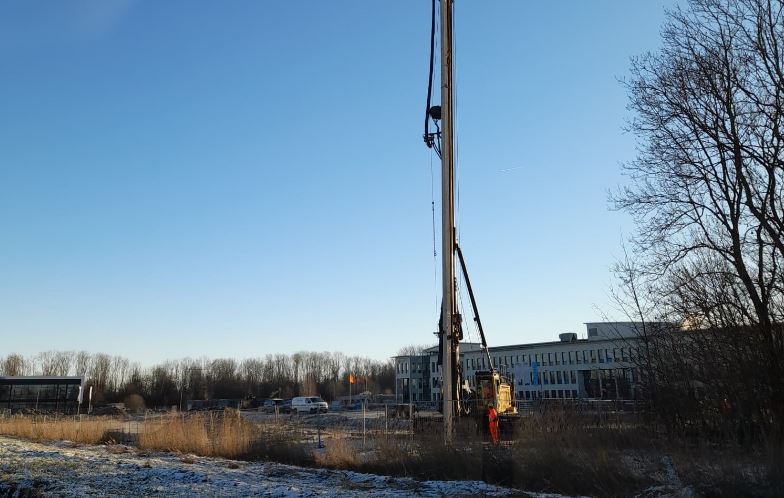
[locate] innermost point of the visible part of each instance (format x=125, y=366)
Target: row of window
x=627, y=374
x=21, y=392
x=552, y=377
x=414, y=383
x=603, y=355
x=548, y=393
x=416, y=367
x=588, y=356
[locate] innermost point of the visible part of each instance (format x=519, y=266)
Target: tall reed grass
x=220, y=435
x=41, y=428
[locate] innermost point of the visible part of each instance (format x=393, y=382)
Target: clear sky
x=191, y=178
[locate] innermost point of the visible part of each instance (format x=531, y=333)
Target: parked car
x=270, y=404
x=309, y=404
x=344, y=404
x=285, y=407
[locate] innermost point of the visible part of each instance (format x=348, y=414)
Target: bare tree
x=706, y=192
x=119, y=372
x=99, y=370
x=82, y=362
x=14, y=365
x=412, y=350
x=44, y=362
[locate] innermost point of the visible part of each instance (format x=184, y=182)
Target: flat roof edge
x=42, y=377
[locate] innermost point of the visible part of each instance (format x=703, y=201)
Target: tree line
x=169, y=383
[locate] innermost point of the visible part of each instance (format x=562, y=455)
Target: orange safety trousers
x=492, y=416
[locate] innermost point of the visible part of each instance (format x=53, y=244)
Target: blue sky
x=241, y=178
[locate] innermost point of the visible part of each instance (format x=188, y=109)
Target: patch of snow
x=114, y=471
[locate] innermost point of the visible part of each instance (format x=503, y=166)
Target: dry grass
x=732, y=473
x=218, y=435
x=340, y=453
x=557, y=453
x=225, y=435
x=39, y=428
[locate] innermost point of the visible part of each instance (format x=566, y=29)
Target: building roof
x=621, y=331
x=41, y=379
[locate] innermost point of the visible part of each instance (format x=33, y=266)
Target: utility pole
x=450, y=326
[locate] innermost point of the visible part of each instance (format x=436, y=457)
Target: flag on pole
x=351, y=379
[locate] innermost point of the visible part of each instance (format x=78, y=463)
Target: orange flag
x=351, y=379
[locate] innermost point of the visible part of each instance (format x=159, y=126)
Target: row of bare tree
x=172, y=382
x=707, y=194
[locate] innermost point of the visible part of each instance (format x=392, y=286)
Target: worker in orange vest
x=492, y=419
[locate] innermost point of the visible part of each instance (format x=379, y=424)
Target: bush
x=134, y=403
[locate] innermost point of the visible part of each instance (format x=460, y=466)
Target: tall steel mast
x=450, y=322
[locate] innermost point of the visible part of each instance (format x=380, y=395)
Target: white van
x=308, y=404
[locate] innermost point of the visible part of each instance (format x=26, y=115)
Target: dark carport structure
x=41, y=393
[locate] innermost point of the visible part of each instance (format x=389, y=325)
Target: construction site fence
x=545, y=403
x=398, y=419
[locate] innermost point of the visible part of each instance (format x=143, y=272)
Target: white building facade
x=600, y=366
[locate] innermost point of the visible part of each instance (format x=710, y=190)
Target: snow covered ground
x=67, y=470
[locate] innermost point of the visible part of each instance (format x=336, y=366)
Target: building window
x=593, y=332
x=573, y=377
x=559, y=377
x=601, y=356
